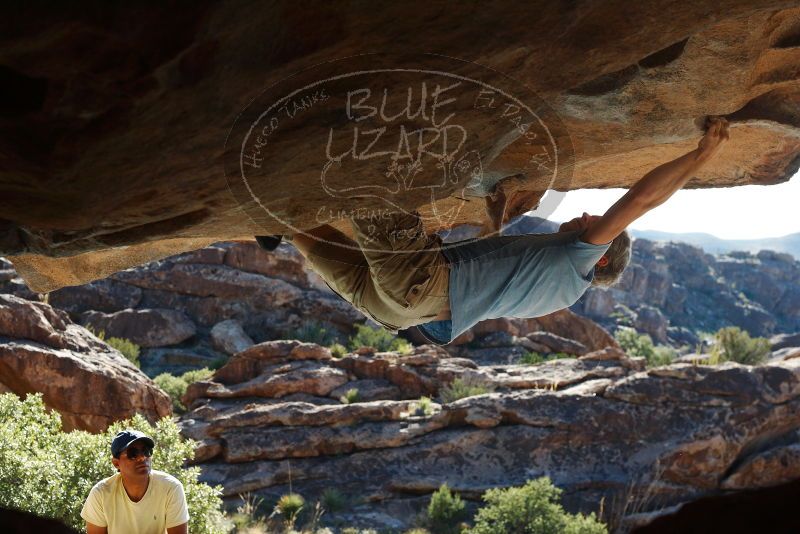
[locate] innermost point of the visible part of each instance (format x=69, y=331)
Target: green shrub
x=662, y=355
x=531, y=358
x=333, y=500
x=49, y=472
x=641, y=346
x=196, y=375
x=312, y=332
x=352, y=395
x=246, y=517
x=175, y=386
x=445, y=511
x=423, y=406
x=531, y=509
x=290, y=506
x=338, y=350
x=464, y=387
x=635, y=344
x=379, y=339
x=734, y=344
x=128, y=348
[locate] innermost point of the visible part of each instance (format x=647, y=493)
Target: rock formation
x=672, y=289
x=195, y=309
x=114, y=143
x=89, y=383
x=192, y=309
x=600, y=426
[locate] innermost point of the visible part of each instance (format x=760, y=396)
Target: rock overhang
x=111, y=163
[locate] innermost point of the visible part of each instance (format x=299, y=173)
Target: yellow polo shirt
x=163, y=505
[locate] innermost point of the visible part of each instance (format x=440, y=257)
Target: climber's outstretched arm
x=657, y=186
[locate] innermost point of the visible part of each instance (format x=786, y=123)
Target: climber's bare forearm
x=655, y=187
x=651, y=190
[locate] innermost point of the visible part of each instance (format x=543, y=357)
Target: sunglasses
x=134, y=452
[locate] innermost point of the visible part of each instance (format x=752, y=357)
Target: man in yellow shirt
x=137, y=498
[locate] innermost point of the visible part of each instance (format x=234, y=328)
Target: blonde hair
x=619, y=256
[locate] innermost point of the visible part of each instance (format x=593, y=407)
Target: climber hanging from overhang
x=401, y=277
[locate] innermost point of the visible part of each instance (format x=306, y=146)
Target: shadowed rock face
x=114, y=133
x=600, y=426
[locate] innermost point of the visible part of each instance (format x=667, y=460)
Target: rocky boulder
x=600, y=426
x=651, y=321
x=676, y=285
x=197, y=308
x=145, y=327
x=563, y=323
x=105, y=295
x=41, y=350
x=229, y=337
x=783, y=341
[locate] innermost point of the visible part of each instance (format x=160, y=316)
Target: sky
x=743, y=212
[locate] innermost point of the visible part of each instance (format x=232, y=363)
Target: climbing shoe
x=269, y=242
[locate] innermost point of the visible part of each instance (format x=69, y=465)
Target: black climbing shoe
x=269, y=242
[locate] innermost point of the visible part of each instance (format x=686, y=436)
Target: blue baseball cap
x=125, y=437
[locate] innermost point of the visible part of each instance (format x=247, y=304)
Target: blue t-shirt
x=515, y=275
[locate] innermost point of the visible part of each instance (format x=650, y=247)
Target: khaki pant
x=393, y=272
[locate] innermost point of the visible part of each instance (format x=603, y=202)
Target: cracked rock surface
x=600, y=425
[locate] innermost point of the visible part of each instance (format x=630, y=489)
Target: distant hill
x=714, y=245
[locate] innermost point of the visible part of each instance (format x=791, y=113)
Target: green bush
x=379, y=339
x=662, y=355
x=312, y=332
x=531, y=509
x=641, y=346
x=351, y=395
x=635, y=344
x=333, y=500
x=49, y=472
x=175, y=386
x=734, y=344
x=464, y=387
x=290, y=506
x=445, y=511
x=247, y=517
x=531, y=358
x=128, y=348
x=338, y=350
x=423, y=406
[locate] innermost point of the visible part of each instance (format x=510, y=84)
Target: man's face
x=135, y=460
x=579, y=223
